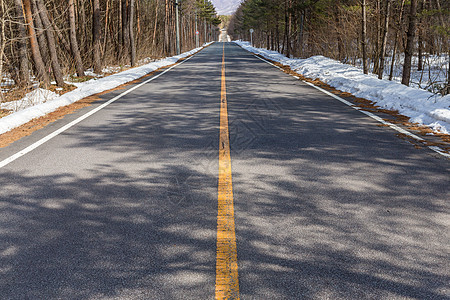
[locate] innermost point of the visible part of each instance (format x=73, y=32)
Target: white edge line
x=367, y=113
x=79, y=119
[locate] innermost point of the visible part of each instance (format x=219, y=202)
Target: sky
x=226, y=7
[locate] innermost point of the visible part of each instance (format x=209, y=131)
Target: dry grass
x=4, y=113
x=15, y=94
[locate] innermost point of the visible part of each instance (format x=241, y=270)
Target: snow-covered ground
x=35, y=97
x=421, y=106
x=40, y=102
x=5, y=83
x=432, y=78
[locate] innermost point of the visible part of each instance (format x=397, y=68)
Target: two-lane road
x=324, y=203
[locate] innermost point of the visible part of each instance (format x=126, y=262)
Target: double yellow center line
x=227, y=283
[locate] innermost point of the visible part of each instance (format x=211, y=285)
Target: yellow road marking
x=227, y=283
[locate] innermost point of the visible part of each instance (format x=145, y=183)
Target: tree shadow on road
x=324, y=208
x=329, y=205
x=108, y=235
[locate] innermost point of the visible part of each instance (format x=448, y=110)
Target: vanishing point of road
x=223, y=178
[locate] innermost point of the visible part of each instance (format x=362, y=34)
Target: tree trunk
x=363, y=36
x=285, y=49
x=82, y=26
x=42, y=42
x=205, y=38
x=132, y=41
x=446, y=90
x=429, y=37
x=384, y=39
x=156, y=24
x=125, y=29
x=409, y=50
x=302, y=20
x=106, y=34
x=35, y=51
x=338, y=34
x=376, y=60
x=51, y=43
x=420, y=37
x=61, y=39
x=96, y=36
x=277, y=32
x=73, y=40
x=291, y=39
x=420, y=50
x=138, y=20
x=24, y=74
x=119, y=30
x=2, y=42
x=166, y=30
x=391, y=72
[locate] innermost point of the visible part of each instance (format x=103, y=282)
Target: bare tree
x=24, y=74
x=125, y=29
x=131, y=29
x=35, y=51
x=409, y=49
x=446, y=90
x=338, y=32
x=363, y=36
x=51, y=43
x=394, y=50
x=384, y=38
x=2, y=41
x=377, y=38
x=156, y=24
x=96, y=36
x=73, y=40
x=40, y=33
x=66, y=35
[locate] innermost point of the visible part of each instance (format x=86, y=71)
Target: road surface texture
x=124, y=205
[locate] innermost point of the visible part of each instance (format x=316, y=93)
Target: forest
x=44, y=41
x=376, y=34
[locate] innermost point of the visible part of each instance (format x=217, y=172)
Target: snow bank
x=35, y=97
x=85, y=89
x=421, y=106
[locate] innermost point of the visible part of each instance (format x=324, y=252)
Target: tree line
x=350, y=30
x=45, y=40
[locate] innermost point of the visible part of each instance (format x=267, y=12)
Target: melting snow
x=33, y=98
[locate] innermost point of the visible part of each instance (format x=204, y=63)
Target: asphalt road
x=123, y=205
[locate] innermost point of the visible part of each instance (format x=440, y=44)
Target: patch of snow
x=432, y=77
x=37, y=96
x=6, y=81
x=421, y=106
x=49, y=102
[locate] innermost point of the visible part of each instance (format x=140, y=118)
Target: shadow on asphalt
x=328, y=204
x=324, y=207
